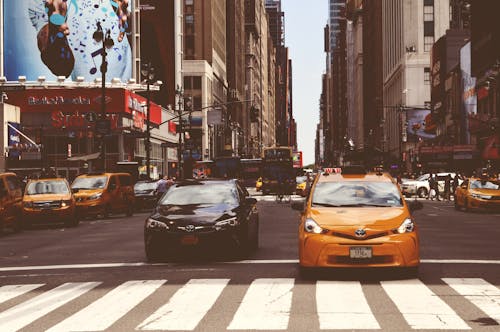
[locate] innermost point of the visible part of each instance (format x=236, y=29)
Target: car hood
x=492, y=192
x=377, y=217
x=87, y=192
x=46, y=197
x=195, y=214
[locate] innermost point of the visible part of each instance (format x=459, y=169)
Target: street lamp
x=148, y=74
x=103, y=125
x=179, y=92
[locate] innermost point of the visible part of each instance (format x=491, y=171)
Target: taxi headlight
x=406, y=227
x=65, y=203
x=95, y=196
x=231, y=222
x=153, y=223
x=310, y=226
x=481, y=196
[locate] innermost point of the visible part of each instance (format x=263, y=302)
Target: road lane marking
x=27, y=312
x=250, y=261
x=342, y=305
x=104, y=312
x=482, y=294
x=11, y=291
x=187, y=307
x=265, y=306
x=421, y=308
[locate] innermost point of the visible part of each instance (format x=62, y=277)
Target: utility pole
x=180, y=103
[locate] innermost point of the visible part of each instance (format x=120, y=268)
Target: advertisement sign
x=420, y=124
x=14, y=139
x=42, y=40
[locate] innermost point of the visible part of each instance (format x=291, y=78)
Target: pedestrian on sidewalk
x=447, y=188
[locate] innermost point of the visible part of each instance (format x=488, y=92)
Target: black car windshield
x=478, y=184
x=207, y=193
x=145, y=186
x=98, y=182
x=47, y=187
x=356, y=194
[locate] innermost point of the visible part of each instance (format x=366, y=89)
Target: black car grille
x=47, y=205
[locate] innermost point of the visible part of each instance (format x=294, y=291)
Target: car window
x=98, y=182
x=112, y=182
x=13, y=183
x=47, y=187
x=356, y=193
x=205, y=193
x=125, y=180
x=145, y=186
x=478, y=184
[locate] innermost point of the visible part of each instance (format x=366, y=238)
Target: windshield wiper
x=327, y=204
x=364, y=204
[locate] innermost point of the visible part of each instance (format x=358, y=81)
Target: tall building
x=337, y=15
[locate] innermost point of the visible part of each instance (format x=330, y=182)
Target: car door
x=126, y=189
x=462, y=192
x=13, y=198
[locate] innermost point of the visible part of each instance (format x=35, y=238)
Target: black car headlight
x=406, y=227
x=155, y=224
x=230, y=222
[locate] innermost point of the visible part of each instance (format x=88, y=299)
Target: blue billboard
x=57, y=39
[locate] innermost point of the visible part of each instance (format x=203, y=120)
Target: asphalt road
x=95, y=277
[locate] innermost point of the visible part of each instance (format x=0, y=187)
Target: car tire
x=422, y=192
x=466, y=205
x=153, y=252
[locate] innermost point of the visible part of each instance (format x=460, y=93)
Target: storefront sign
x=138, y=118
x=78, y=120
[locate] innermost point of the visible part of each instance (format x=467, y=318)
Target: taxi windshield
x=356, y=194
x=47, y=187
x=481, y=184
x=98, y=182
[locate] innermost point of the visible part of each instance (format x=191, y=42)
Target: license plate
x=189, y=240
x=360, y=252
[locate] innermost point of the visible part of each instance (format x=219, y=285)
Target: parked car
x=104, y=194
x=420, y=186
x=478, y=194
x=49, y=201
x=301, y=187
x=201, y=215
x=146, y=194
x=11, y=196
x=357, y=219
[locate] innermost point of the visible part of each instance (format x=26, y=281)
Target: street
x=95, y=277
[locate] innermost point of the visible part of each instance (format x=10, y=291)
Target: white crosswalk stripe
x=27, y=312
x=421, y=308
x=11, y=291
x=482, y=294
x=342, y=305
x=187, y=306
x=266, y=306
x=102, y=313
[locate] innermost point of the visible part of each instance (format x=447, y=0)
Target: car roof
x=370, y=177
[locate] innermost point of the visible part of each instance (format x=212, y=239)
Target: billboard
x=57, y=39
x=420, y=124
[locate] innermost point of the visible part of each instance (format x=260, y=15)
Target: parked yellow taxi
x=357, y=219
x=478, y=194
x=49, y=201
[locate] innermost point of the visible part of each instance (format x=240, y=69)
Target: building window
x=188, y=2
x=428, y=13
x=197, y=83
x=428, y=42
x=190, y=19
x=427, y=75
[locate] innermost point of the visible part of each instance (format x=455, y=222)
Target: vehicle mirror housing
x=299, y=206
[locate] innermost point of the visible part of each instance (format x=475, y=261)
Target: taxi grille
x=383, y=259
x=47, y=205
x=354, y=237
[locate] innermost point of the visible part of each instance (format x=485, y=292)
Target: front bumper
x=90, y=208
x=394, y=250
x=58, y=215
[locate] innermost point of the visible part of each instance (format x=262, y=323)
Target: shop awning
x=86, y=157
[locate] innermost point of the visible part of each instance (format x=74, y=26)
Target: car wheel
x=153, y=250
x=422, y=192
x=466, y=205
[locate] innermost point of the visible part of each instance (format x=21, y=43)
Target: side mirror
x=415, y=205
x=299, y=206
x=250, y=201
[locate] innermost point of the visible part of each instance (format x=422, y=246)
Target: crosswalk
x=265, y=304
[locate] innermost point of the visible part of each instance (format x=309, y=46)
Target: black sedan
x=146, y=195
x=202, y=215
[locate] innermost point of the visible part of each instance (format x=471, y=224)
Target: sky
x=304, y=25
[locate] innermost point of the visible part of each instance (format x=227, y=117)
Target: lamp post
x=147, y=72
x=180, y=108
x=103, y=125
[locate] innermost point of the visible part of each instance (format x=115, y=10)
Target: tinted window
x=206, y=193
x=356, y=193
x=13, y=183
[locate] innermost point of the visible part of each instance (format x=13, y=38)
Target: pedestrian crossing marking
x=27, y=312
x=11, y=291
x=187, y=307
x=265, y=306
x=421, y=308
x=482, y=294
x=342, y=305
x=102, y=313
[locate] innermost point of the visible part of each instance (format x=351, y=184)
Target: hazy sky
x=304, y=24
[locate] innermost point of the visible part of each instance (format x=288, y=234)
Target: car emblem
x=360, y=232
x=189, y=228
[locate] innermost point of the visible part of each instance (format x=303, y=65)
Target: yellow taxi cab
x=104, y=194
x=49, y=201
x=11, y=196
x=357, y=219
x=300, y=188
x=478, y=193
x=258, y=184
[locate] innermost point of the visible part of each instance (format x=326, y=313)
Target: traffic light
x=254, y=114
